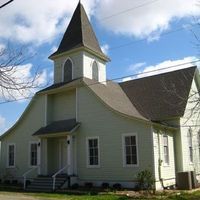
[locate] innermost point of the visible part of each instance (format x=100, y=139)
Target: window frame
x=29, y=160
x=11, y=144
x=168, y=160
x=63, y=68
x=87, y=152
x=124, y=150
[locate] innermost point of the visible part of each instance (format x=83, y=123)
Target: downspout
x=159, y=161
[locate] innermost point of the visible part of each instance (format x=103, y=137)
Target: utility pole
x=5, y=4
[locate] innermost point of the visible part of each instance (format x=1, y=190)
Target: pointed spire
x=79, y=33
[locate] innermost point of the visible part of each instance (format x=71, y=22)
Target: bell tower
x=79, y=53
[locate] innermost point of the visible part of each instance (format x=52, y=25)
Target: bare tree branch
x=17, y=78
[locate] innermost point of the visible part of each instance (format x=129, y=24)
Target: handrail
x=58, y=172
x=26, y=173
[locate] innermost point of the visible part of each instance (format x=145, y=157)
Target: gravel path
x=16, y=196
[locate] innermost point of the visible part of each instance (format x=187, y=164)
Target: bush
x=75, y=186
x=145, y=180
x=105, y=185
x=88, y=185
x=117, y=186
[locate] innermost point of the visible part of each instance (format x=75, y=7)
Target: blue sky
x=137, y=35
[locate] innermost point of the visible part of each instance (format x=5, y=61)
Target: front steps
x=45, y=184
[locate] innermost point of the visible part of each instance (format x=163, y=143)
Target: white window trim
x=87, y=152
x=11, y=144
x=63, y=66
x=166, y=164
x=29, y=155
x=123, y=150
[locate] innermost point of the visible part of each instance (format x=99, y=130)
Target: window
x=33, y=153
x=95, y=71
x=93, y=152
x=67, y=71
x=130, y=150
x=190, y=145
x=166, y=149
x=198, y=135
x=11, y=155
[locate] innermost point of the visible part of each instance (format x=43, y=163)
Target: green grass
x=95, y=196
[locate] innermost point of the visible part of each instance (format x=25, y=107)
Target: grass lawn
x=195, y=195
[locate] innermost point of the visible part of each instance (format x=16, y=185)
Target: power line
x=5, y=4
x=115, y=79
x=141, y=40
x=128, y=10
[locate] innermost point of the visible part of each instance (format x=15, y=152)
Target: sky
x=138, y=36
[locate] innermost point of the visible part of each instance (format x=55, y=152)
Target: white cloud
x=165, y=66
x=37, y=21
x=105, y=48
x=136, y=66
x=146, y=20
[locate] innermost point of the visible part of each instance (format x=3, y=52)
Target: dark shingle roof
x=161, y=96
x=79, y=33
x=57, y=127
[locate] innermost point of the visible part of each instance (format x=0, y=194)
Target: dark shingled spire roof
x=79, y=33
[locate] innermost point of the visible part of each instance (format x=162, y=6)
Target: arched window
x=95, y=71
x=67, y=71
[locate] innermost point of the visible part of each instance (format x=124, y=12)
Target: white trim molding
x=124, y=150
x=87, y=151
x=7, y=162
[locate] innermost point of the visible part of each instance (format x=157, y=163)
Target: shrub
x=105, y=185
x=117, y=186
x=88, y=184
x=75, y=186
x=145, y=180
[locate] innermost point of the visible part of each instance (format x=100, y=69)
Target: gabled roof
x=79, y=33
x=162, y=96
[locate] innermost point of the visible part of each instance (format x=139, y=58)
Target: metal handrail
x=58, y=172
x=25, y=175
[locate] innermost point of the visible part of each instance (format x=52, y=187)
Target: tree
x=17, y=79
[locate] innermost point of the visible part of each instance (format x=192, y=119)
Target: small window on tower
x=67, y=71
x=95, y=71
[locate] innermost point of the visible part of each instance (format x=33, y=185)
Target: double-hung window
x=130, y=150
x=11, y=155
x=190, y=147
x=93, y=152
x=166, y=149
x=33, y=154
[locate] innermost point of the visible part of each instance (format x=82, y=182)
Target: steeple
x=79, y=34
